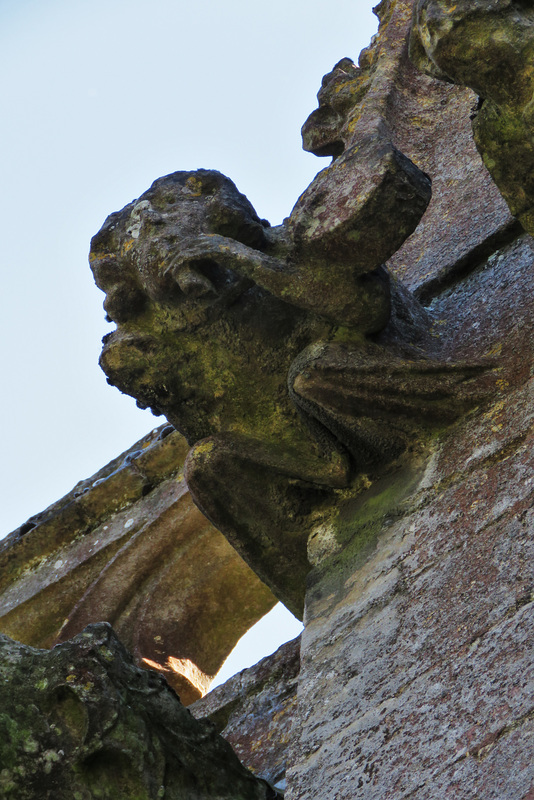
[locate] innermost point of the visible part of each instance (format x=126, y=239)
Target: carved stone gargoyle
x=257, y=342
x=490, y=48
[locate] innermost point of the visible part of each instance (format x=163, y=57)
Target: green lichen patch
x=99, y=728
x=359, y=519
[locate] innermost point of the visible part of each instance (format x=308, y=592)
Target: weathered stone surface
x=81, y=721
x=490, y=48
x=128, y=546
x=419, y=113
x=418, y=634
x=416, y=677
x=252, y=340
x=255, y=712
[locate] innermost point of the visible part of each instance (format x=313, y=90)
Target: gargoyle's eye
x=106, y=269
x=194, y=284
x=123, y=301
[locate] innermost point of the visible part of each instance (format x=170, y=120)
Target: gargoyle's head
x=194, y=339
x=132, y=255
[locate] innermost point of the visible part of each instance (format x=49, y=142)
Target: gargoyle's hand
x=190, y=268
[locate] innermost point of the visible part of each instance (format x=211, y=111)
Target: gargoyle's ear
x=234, y=217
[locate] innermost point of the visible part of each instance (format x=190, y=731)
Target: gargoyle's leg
x=376, y=403
x=263, y=513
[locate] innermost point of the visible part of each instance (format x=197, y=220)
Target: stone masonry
x=417, y=676
x=383, y=482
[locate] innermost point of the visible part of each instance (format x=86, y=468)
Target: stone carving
x=128, y=546
x=82, y=721
x=259, y=344
x=490, y=48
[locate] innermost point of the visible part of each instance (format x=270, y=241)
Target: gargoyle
x=490, y=48
x=254, y=341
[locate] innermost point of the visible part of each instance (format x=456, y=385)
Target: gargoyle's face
x=194, y=340
x=133, y=255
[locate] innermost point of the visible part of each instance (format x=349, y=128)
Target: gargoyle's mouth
x=126, y=352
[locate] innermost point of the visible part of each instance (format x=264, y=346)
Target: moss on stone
x=103, y=729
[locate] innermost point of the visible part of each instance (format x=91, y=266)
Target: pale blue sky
x=98, y=99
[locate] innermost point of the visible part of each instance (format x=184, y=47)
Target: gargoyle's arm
x=271, y=273
x=361, y=302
